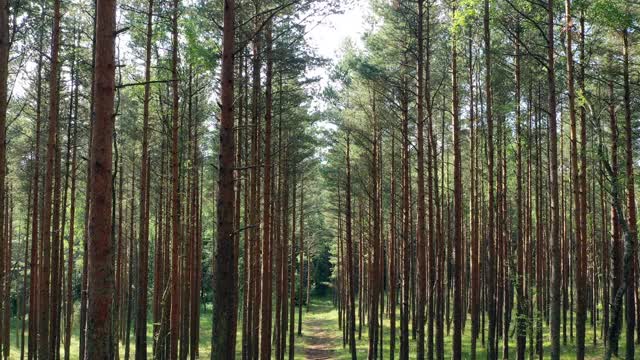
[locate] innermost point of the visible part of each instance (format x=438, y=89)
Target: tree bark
x=44, y=351
x=176, y=241
x=631, y=201
x=35, y=229
x=100, y=247
x=421, y=229
x=458, y=207
x=143, y=250
x=553, y=187
x=266, y=306
x=223, y=336
x=4, y=74
x=492, y=351
x=350, y=269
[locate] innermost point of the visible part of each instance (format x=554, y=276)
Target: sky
x=330, y=34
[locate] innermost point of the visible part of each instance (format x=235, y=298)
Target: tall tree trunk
x=553, y=187
x=35, y=229
x=631, y=201
x=376, y=261
x=6, y=286
x=132, y=260
x=475, y=239
x=278, y=215
x=23, y=303
x=55, y=292
x=4, y=74
x=84, y=296
x=301, y=287
x=576, y=179
x=266, y=306
x=492, y=351
x=350, y=269
x=458, y=207
x=223, y=337
x=521, y=322
x=616, y=241
x=393, y=284
x=406, y=265
x=285, y=239
x=143, y=250
x=254, y=303
x=100, y=247
x=176, y=242
x=292, y=275
x=44, y=352
x=421, y=230
x=195, y=263
x=71, y=147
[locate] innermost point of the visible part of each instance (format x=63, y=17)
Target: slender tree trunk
x=196, y=263
x=616, y=241
x=393, y=284
x=44, y=338
x=421, y=230
x=35, y=229
x=131, y=290
x=223, y=337
x=55, y=292
x=100, y=247
x=4, y=74
x=278, y=216
x=576, y=178
x=458, y=208
x=475, y=240
x=72, y=216
x=350, y=269
x=492, y=351
x=553, y=187
x=143, y=251
x=292, y=276
x=84, y=297
x=406, y=266
x=6, y=286
x=23, y=303
x=521, y=322
x=301, y=287
x=254, y=303
x=285, y=241
x=265, y=335
x=175, y=194
x=631, y=202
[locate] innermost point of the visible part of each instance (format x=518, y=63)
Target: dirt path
x=319, y=342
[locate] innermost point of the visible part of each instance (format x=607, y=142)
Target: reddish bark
x=143, y=251
x=265, y=326
x=226, y=277
x=44, y=352
x=100, y=247
x=175, y=195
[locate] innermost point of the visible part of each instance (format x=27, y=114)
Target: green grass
x=323, y=309
x=323, y=316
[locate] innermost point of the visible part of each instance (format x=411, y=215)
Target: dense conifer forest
x=185, y=179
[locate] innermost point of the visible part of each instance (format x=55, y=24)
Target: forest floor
x=322, y=338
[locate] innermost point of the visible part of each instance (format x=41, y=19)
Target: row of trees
x=115, y=161
x=485, y=153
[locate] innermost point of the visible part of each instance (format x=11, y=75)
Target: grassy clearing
x=320, y=332
x=323, y=309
